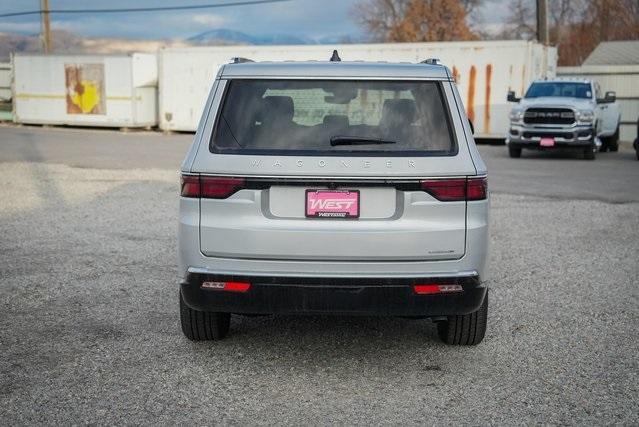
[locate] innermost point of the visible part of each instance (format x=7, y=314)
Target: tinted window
x=333, y=117
x=567, y=89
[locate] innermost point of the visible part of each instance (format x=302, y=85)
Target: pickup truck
x=564, y=113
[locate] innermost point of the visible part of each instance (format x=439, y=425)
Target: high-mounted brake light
x=456, y=189
x=210, y=187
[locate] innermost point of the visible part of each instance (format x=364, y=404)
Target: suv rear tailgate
x=393, y=225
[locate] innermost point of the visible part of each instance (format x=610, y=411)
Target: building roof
x=335, y=70
x=624, y=52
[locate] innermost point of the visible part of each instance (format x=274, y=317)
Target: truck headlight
x=585, y=116
x=516, y=115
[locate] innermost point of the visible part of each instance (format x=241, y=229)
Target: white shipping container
x=86, y=90
x=485, y=71
x=5, y=81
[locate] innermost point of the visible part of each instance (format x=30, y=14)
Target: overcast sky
x=306, y=18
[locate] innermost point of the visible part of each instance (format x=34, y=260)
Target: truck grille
x=549, y=116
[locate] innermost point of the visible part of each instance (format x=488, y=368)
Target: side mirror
x=611, y=96
x=608, y=99
x=472, y=128
x=511, y=97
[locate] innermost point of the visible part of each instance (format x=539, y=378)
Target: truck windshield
x=565, y=89
x=331, y=117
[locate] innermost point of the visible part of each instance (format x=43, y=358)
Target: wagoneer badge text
x=346, y=164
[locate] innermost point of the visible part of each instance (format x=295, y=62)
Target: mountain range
x=67, y=42
x=228, y=36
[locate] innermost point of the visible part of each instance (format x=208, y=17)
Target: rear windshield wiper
x=358, y=140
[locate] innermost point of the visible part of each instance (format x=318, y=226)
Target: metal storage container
x=5, y=92
x=485, y=71
x=5, y=81
x=623, y=79
x=86, y=90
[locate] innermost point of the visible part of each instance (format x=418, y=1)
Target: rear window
x=315, y=117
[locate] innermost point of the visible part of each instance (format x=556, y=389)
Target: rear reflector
x=210, y=187
x=433, y=288
x=227, y=286
x=457, y=189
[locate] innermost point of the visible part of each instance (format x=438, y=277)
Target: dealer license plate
x=332, y=203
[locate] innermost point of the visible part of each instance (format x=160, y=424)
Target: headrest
x=336, y=121
x=278, y=108
x=399, y=110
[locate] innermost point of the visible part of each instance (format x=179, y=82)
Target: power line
x=144, y=9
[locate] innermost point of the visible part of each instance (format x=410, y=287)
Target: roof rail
x=432, y=61
x=240, y=60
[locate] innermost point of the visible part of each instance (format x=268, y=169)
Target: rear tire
x=466, y=329
x=202, y=325
x=514, y=152
x=613, y=142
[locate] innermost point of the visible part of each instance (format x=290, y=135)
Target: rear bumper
x=304, y=295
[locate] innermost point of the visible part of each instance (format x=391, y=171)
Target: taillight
x=456, y=189
x=210, y=187
x=190, y=186
x=446, y=190
x=477, y=188
x=220, y=188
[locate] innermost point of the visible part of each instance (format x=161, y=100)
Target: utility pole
x=46, y=27
x=542, y=22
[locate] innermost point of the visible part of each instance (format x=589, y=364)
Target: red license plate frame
x=332, y=204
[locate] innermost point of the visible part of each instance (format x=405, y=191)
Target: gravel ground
x=89, y=326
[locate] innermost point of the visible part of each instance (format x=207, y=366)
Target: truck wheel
x=514, y=152
x=467, y=329
x=604, y=145
x=589, y=153
x=202, y=325
x=613, y=142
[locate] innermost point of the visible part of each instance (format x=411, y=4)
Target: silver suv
x=335, y=187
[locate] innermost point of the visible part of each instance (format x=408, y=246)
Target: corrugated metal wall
x=5, y=91
x=624, y=80
x=5, y=81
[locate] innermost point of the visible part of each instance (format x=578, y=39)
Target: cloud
x=210, y=20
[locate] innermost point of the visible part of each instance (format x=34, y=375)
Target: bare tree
x=576, y=26
x=380, y=17
x=416, y=20
x=520, y=23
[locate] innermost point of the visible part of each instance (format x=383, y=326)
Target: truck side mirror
x=511, y=97
x=611, y=97
x=608, y=99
